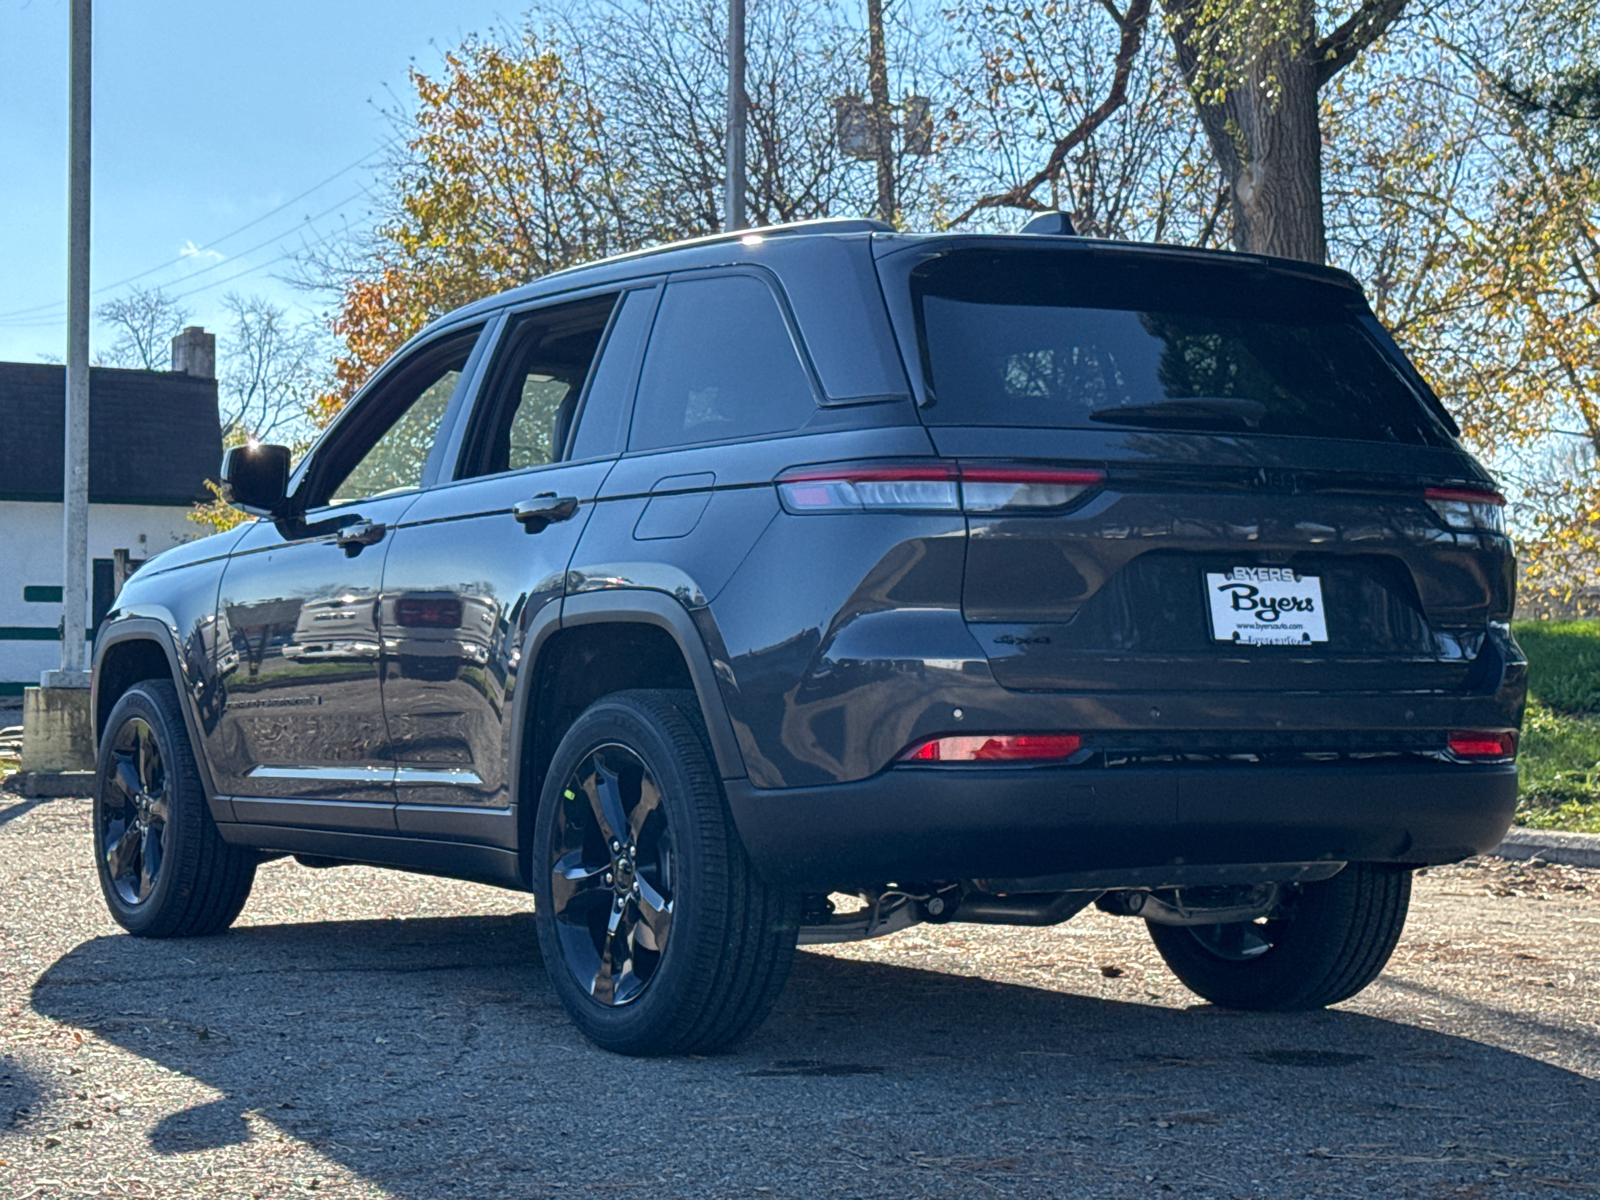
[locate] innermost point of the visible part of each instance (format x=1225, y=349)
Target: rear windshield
x=1093, y=341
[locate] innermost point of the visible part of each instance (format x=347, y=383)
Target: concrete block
x=52, y=784
x=1572, y=849
x=57, y=731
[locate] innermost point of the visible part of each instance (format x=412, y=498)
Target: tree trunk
x=1266, y=133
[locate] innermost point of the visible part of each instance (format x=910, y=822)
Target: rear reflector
x=1480, y=745
x=1020, y=747
x=1469, y=510
x=933, y=485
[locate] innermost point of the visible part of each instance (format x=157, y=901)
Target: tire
x=164, y=869
x=1332, y=939
x=671, y=943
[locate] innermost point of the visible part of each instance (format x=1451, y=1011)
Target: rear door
x=1256, y=515
x=477, y=561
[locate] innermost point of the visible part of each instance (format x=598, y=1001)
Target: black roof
x=747, y=245
x=154, y=437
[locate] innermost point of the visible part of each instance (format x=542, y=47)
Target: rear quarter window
x=721, y=364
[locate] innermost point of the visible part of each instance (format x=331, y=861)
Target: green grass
x=1559, y=764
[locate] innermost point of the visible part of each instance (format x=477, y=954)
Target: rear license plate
x=1266, y=606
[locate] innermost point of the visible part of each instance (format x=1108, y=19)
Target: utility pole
x=734, y=209
x=75, y=476
x=57, y=732
x=882, y=113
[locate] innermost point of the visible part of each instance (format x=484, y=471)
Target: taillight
x=907, y=486
x=1468, y=510
x=1484, y=745
x=414, y=612
x=1001, y=747
x=938, y=485
x=992, y=488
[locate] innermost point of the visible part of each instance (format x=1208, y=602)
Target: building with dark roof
x=154, y=439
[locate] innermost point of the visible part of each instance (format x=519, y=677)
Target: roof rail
x=789, y=229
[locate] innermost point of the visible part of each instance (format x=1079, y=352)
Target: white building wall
x=30, y=556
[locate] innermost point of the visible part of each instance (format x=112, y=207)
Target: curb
x=1548, y=845
x=51, y=785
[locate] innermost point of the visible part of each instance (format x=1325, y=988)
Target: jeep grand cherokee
x=807, y=584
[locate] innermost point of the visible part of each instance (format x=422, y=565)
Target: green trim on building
x=35, y=633
x=41, y=593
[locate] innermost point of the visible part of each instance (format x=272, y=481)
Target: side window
x=603, y=420
x=526, y=412
x=391, y=437
x=721, y=364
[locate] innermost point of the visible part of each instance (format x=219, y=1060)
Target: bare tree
x=272, y=369
x=1121, y=152
x=1253, y=73
x=659, y=70
x=145, y=322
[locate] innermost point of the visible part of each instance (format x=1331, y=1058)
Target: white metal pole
x=734, y=210
x=75, y=477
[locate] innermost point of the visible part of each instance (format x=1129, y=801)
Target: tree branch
x=1132, y=25
x=1344, y=45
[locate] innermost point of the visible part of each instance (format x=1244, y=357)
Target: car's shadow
x=430, y=1057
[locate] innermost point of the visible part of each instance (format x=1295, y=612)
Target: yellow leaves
x=500, y=183
x=216, y=514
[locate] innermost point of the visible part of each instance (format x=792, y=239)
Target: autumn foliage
x=504, y=177
x=1436, y=156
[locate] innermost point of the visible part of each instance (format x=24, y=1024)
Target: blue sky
x=206, y=116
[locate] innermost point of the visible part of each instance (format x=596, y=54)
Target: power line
x=345, y=170
x=9, y=320
x=317, y=241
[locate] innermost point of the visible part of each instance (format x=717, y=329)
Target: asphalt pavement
x=364, y=1033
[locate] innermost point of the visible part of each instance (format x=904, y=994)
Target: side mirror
x=255, y=478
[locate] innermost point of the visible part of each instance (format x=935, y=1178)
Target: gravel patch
x=373, y=1034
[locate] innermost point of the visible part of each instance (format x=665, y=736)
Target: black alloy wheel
x=1324, y=943
x=612, y=875
x=1238, y=941
x=658, y=935
x=164, y=869
x=133, y=818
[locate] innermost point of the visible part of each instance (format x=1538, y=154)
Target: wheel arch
x=601, y=643
x=133, y=649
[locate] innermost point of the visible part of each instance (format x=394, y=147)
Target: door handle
x=354, y=538
x=544, y=509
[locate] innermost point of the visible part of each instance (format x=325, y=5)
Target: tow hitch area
x=1194, y=906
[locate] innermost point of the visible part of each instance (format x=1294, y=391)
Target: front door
x=301, y=737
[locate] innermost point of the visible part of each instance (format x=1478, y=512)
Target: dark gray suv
x=978, y=578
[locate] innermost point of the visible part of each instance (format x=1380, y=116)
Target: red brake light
x=1019, y=747
x=906, y=471
x=1480, y=744
x=1468, y=510
x=977, y=473
x=413, y=612
x=1466, y=495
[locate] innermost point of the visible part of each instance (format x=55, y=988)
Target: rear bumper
x=1119, y=826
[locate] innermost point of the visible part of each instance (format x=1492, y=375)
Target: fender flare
x=159, y=631
x=637, y=606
